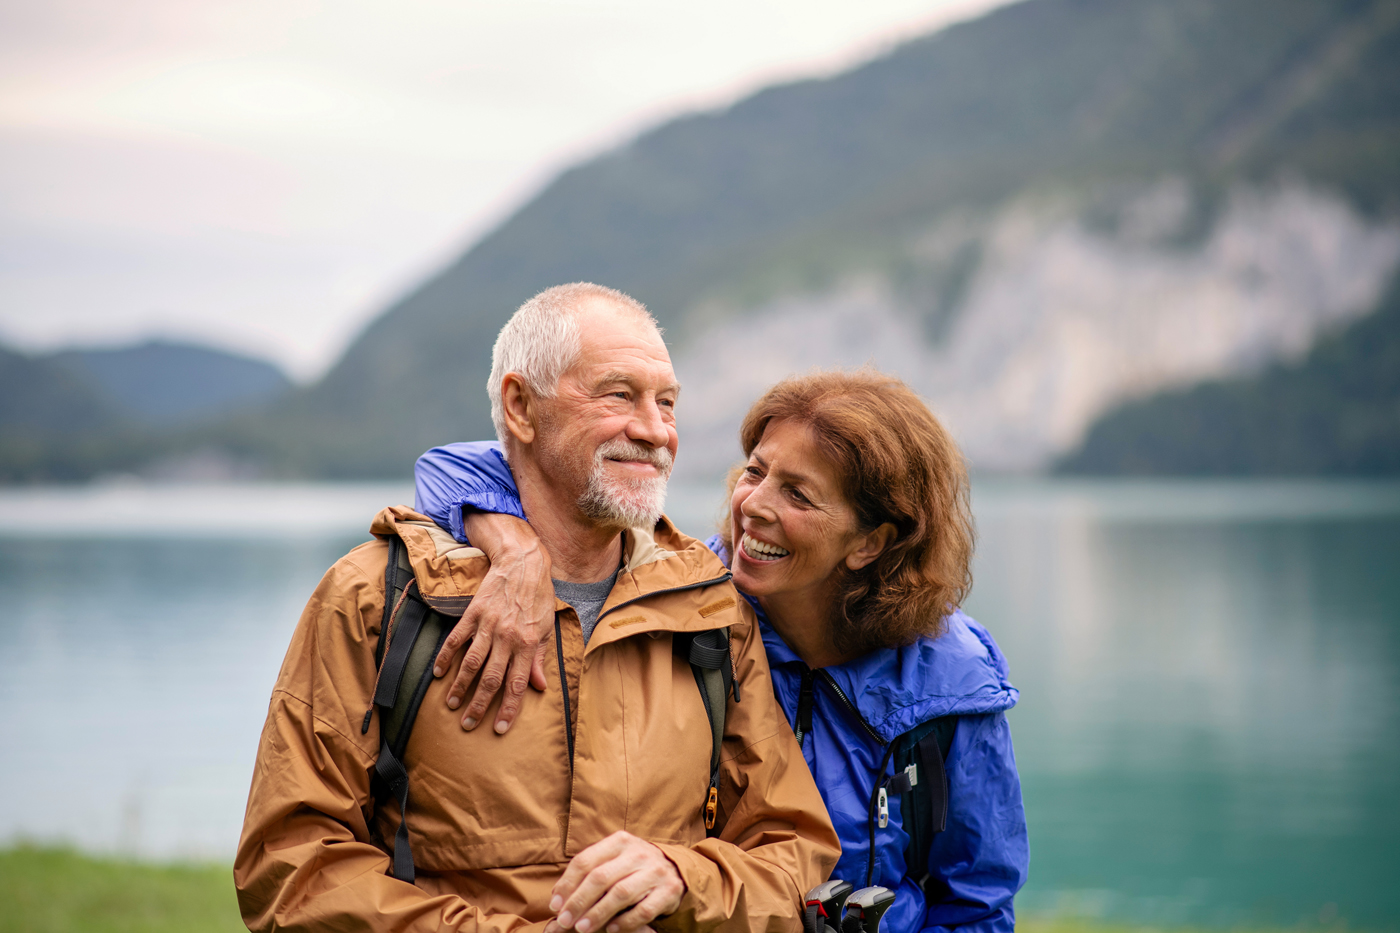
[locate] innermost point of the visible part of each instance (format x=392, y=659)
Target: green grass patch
x=59, y=890
x=55, y=890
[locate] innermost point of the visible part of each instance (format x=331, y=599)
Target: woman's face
x=792, y=525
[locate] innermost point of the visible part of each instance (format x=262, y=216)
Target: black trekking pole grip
x=865, y=907
x=822, y=910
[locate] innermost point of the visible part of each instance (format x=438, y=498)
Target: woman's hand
x=508, y=621
x=623, y=881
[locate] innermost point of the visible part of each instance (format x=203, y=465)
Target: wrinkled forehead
x=614, y=339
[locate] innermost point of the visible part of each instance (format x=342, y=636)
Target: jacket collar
x=656, y=560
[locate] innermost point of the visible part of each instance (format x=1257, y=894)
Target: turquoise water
x=1209, y=730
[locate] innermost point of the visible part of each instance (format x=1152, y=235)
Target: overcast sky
x=266, y=175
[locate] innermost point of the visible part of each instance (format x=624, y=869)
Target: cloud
x=270, y=174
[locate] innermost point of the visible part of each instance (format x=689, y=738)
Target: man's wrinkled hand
x=507, y=623
x=623, y=882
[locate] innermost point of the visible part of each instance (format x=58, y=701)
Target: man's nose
x=647, y=425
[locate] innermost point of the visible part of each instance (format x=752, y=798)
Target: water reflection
x=1207, y=731
x=135, y=675
x=1210, y=679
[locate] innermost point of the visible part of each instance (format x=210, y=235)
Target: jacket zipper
x=850, y=707
x=564, y=689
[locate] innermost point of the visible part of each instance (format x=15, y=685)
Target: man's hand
x=507, y=621
x=607, y=878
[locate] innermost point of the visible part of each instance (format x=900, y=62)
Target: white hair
x=541, y=341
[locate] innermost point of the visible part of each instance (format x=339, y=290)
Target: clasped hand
x=622, y=881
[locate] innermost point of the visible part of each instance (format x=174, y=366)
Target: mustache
x=658, y=457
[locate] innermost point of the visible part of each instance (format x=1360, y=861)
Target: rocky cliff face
x=1023, y=324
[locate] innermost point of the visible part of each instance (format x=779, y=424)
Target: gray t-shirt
x=587, y=600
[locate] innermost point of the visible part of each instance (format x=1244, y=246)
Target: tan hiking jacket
x=494, y=819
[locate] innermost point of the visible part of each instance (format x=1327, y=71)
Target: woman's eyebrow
x=788, y=476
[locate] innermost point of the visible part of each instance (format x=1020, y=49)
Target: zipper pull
x=882, y=810
x=711, y=807
x=805, y=695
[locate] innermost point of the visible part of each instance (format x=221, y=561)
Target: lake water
x=1209, y=730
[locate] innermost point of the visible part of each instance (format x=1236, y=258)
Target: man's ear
x=519, y=404
x=870, y=546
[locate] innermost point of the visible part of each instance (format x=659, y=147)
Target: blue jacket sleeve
x=983, y=856
x=472, y=474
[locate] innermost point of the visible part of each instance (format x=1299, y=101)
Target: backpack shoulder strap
x=398, y=574
x=920, y=754
x=410, y=637
x=708, y=655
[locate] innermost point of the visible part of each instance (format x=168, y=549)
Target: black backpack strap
x=708, y=655
x=409, y=639
x=920, y=755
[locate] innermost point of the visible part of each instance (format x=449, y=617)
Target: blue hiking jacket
x=980, y=861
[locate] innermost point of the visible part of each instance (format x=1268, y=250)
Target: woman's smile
x=761, y=550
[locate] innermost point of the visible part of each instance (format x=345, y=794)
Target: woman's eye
x=797, y=494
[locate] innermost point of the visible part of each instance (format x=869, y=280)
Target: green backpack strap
x=922, y=778
x=410, y=638
x=708, y=655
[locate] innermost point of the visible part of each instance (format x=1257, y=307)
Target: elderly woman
x=849, y=531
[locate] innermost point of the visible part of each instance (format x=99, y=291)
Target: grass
x=55, y=890
x=59, y=890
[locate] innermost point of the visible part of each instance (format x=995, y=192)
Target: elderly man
x=591, y=812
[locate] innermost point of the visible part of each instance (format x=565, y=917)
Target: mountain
x=1034, y=217
x=1058, y=177
x=69, y=415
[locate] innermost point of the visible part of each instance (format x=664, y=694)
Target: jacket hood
x=960, y=673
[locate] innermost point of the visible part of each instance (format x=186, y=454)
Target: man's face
x=608, y=436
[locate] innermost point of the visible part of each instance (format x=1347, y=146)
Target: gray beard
x=626, y=503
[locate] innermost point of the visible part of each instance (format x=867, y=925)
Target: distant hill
x=69, y=415
x=1032, y=217
x=1337, y=411
x=161, y=383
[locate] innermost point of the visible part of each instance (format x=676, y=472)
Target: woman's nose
x=759, y=503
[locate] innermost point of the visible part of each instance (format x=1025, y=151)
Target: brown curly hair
x=897, y=464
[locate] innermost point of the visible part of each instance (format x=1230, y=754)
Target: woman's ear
x=518, y=403
x=870, y=546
